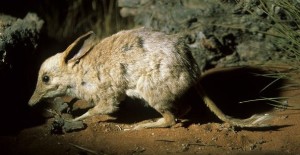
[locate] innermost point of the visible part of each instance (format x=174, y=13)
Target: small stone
x=129, y=3
x=70, y=126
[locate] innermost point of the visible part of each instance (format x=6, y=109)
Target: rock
x=17, y=34
x=129, y=3
x=232, y=34
x=73, y=126
x=61, y=126
x=5, y=22
x=18, y=40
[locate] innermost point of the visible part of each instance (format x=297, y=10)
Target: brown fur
x=137, y=63
x=141, y=63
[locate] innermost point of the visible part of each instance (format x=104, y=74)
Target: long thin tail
x=254, y=121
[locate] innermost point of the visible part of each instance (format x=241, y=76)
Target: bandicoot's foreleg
x=97, y=110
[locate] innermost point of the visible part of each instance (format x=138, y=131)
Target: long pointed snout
x=35, y=98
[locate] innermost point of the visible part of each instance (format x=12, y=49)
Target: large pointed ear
x=78, y=49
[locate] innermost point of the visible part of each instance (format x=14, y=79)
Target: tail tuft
x=258, y=120
x=255, y=121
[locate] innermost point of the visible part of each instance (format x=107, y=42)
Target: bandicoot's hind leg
x=167, y=121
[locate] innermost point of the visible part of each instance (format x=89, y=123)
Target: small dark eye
x=45, y=78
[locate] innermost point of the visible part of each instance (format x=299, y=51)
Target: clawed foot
x=85, y=115
x=160, y=123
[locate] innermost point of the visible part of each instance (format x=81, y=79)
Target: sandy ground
x=202, y=134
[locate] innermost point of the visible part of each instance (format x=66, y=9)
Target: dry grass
x=286, y=17
x=66, y=19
